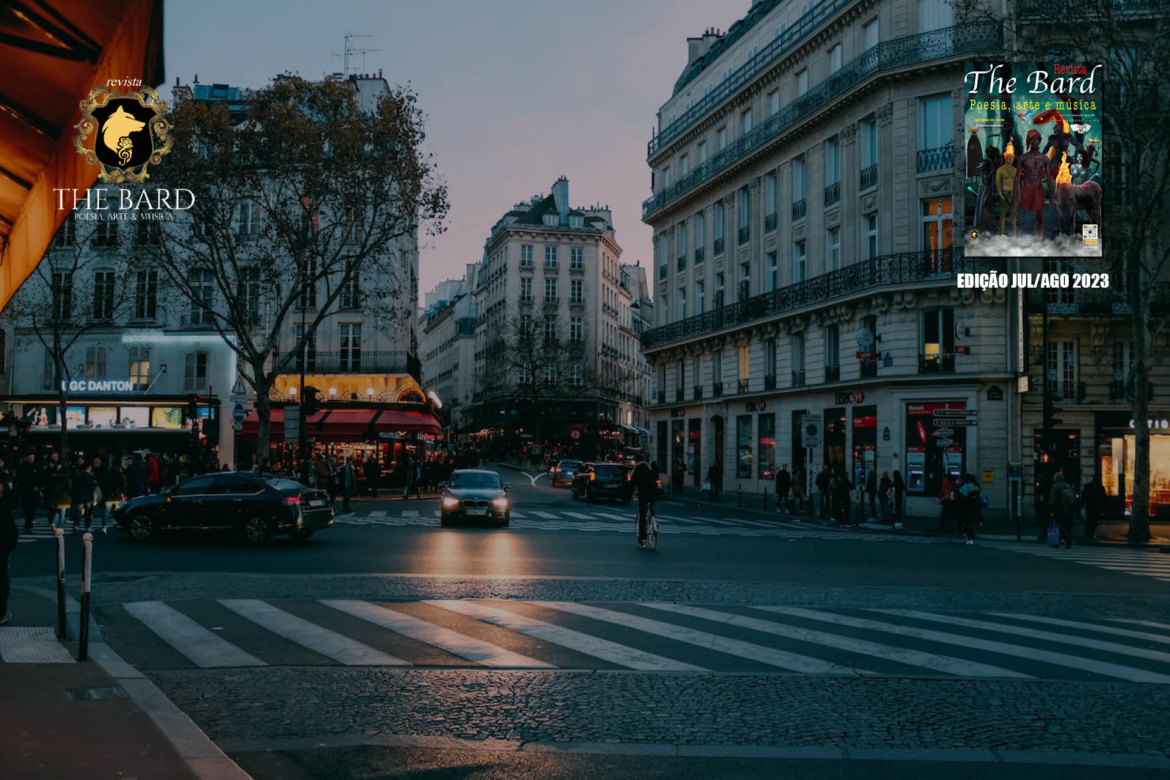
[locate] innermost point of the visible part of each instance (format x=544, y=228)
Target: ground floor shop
x=923, y=432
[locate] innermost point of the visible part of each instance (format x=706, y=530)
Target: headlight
x=450, y=502
x=500, y=503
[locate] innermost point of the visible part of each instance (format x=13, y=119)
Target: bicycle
x=651, y=540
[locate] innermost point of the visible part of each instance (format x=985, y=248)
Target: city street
x=391, y=647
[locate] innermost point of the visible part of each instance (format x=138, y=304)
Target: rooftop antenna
x=350, y=51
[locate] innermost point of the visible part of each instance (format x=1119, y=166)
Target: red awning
x=346, y=424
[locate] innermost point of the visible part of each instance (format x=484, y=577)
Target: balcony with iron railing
x=679, y=394
x=832, y=193
x=699, y=253
x=743, y=385
x=1098, y=302
x=869, y=369
x=937, y=159
x=889, y=56
x=863, y=276
x=1067, y=391
x=869, y=177
x=353, y=362
x=682, y=262
x=799, y=209
x=936, y=363
x=718, y=249
x=745, y=233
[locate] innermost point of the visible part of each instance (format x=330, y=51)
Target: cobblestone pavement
x=775, y=710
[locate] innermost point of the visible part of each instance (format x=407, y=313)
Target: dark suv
x=604, y=480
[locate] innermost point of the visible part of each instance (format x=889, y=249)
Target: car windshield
x=474, y=480
x=610, y=472
x=280, y=483
x=569, y=464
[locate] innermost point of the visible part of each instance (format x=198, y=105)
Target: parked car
x=604, y=480
x=257, y=507
x=475, y=494
x=630, y=455
x=564, y=472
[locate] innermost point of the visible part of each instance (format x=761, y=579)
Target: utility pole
x=301, y=396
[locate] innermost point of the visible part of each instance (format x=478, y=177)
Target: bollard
x=765, y=499
x=62, y=630
x=86, y=570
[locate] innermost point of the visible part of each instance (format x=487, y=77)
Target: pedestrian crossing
x=644, y=637
x=1140, y=562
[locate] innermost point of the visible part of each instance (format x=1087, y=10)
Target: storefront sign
x=811, y=425
x=849, y=397
x=995, y=394
x=989, y=476
x=961, y=349
x=886, y=433
x=865, y=338
x=754, y=406
x=1155, y=425
x=678, y=412
x=866, y=355
x=98, y=386
x=575, y=434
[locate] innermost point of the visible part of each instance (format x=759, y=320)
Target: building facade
x=556, y=353
x=447, y=325
x=803, y=205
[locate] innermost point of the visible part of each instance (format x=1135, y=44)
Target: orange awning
x=52, y=52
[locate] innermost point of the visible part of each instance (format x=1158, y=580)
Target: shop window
x=937, y=226
x=767, y=446
x=744, y=443
x=928, y=454
x=864, y=440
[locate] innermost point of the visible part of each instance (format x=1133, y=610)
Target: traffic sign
x=944, y=442
x=866, y=355
x=238, y=389
x=811, y=429
x=238, y=413
x=865, y=338
x=292, y=423
x=955, y=413
x=957, y=422
x=237, y=426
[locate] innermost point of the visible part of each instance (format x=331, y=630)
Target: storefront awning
x=336, y=425
x=50, y=58
x=628, y=428
x=642, y=430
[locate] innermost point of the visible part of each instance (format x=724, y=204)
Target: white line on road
x=1146, y=623
x=410, y=513
x=443, y=638
x=597, y=647
x=939, y=663
x=320, y=640
x=545, y=515
x=578, y=515
x=201, y=646
x=1087, y=627
x=1019, y=651
x=766, y=655
x=377, y=513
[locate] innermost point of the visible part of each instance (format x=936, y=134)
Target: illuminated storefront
x=1115, y=459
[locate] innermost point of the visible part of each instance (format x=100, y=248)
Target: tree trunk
x=1139, y=523
x=62, y=406
x=263, y=412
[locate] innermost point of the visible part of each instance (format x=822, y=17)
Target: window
x=1061, y=359
x=680, y=241
x=250, y=295
x=772, y=270
x=1122, y=369
x=746, y=120
x=700, y=237
x=938, y=340
x=832, y=249
x=869, y=236
x=62, y=293
x=576, y=258
x=935, y=121
x=832, y=161
x=774, y=102
x=684, y=165
x=727, y=74
x=663, y=263
x=308, y=299
x=550, y=257
x=743, y=467
x=576, y=330
x=752, y=52
x=721, y=136
x=526, y=289
x=575, y=287
x=139, y=370
x=525, y=377
x=744, y=367
x=679, y=376
x=525, y=325
x=351, y=292
x=717, y=366
x=355, y=225
x=103, y=295
x=147, y=233
x=799, y=187
x=349, y=340
x=833, y=346
x=550, y=332
x=745, y=281
x=718, y=290
x=48, y=372
x=869, y=148
x=935, y=15
x=720, y=222
x=835, y=59
x=202, y=296
x=937, y=225
x=146, y=295
x=767, y=447
x=702, y=150
x=665, y=178
x=526, y=255
x=798, y=360
x=700, y=297
x=105, y=233
x=870, y=31
x=575, y=374
x=248, y=219
x=682, y=303
x=779, y=31
x=661, y=381
x=551, y=220
x=576, y=221
x=771, y=198
x=770, y=360
x=195, y=372
x=802, y=82
x=745, y=203
x=67, y=234
x=308, y=355
x=550, y=290
x=95, y=363
x=799, y=262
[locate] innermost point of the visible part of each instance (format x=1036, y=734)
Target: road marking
x=377, y=513
x=204, y=648
x=615, y=516
x=514, y=514
x=1146, y=623
x=545, y=515
x=1032, y=633
x=320, y=640
x=1019, y=651
x=410, y=513
x=443, y=638
x=597, y=647
x=753, y=524
x=766, y=655
x=578, y=515
x=939, y=663
x=1087, y=627
x=714, y=521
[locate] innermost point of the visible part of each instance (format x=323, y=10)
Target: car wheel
x=302, y=536
x=257, y=532
x=141, y=528
x=589, y=497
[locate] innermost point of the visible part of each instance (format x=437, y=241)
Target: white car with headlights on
x=475, y=495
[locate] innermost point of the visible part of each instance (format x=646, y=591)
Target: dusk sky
x=516, y=92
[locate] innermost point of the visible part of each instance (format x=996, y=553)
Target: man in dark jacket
x=646, y=483
x=373, y=475
x=823, y=482
x=136, y=477
x=1093, y=498
x=9, y=534
x=83, y=495
x=28, y=486
x=783, y=485
x=871, y=490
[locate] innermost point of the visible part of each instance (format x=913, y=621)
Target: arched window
x=411, y=396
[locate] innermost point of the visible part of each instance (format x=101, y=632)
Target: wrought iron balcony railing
x=745, y=233
x=1097, y=302
x=682, y=262
x=353, y=362
x=717, y=389
x=697, y=392
x=718, y=246
x=743, y=385
x=799, y=209
x=936, y=159
x=832, y=193
x=869, y=369
x=679, y=394
x=900, y=268
x=896, y=53
x=1067, y=391
x=869, y=177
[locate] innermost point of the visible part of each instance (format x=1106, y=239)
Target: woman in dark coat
x=899, y=492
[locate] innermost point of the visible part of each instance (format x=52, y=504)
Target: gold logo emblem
x=974, y=234
x=130, y=132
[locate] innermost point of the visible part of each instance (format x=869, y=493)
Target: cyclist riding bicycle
x=646, y=483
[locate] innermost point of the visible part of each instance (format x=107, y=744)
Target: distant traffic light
x=192, y=407
x=311, y=403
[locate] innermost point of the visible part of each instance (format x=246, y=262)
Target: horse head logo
x=116, y=133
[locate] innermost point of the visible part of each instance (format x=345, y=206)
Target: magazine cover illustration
x=1033, y=182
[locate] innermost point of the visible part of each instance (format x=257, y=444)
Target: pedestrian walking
x=783, y=486
x=969, y=506
x=113, y=487
x=373, y=475
x=884, y=489
x=152, y=473
x=676, y=480
x=947, y=496
x=59, y=495
x=47, y=471
x=1065, y=506
x=1093, y=500
x=899, y=494
x=348, y=483
x=823, y=483
x=714, y=478
x=136, y=475
x=84, y=490
x=871, y=490
x=840, y=487
x=9, y=535
x=798, y=489
x=28, y=489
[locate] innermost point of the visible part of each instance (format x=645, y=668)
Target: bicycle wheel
x=652, y=532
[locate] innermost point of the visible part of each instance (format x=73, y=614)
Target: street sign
x=642, y=439
x=237, y=427
x=865, y=338
x=886, y=433
x=944, y=442
x=957, y=422
x=239, y=392
x=888, y=360
x=238, y=413
x=811, y=429
x=866, y=355
x=955, y=413
x=292, y=423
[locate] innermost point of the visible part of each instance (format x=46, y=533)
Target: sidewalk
x=97, y=719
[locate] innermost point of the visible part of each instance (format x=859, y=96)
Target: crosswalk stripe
x=320, y=640
x=715, y=521
x=1104, y=668
x=204, y=648
x=767, y=655
x=410, y=513
x=939, y=663
x=1146, y=623
x=377, y=513
x=514, y=514
x=1032, y=633
x=578, y=515
x=443, y=638
x=615, y=516
x=753, y=524
x=1087, y=627
x=597, y=647
x=545, y=515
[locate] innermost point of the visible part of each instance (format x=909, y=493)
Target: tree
x=305, y=200
x=74, y=291
x=1133, y=40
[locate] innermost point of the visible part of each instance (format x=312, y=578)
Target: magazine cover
x=1033, y=183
